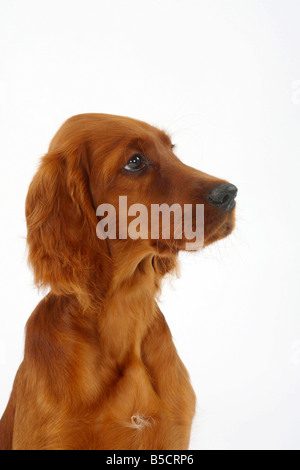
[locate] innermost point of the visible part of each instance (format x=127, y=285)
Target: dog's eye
x=136, y=163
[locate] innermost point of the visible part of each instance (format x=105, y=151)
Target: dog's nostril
x=223, y=196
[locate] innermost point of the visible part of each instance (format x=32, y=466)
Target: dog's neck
x=130, y=307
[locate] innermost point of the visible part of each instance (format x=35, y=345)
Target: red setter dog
x=100, y=370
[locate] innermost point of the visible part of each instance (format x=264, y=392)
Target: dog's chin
x=173, y=247
x=166, y=248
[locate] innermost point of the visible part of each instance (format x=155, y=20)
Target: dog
x=100, y=369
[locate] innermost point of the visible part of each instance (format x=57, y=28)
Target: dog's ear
x=64, y=250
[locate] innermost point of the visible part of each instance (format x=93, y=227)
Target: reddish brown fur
x=98, y=351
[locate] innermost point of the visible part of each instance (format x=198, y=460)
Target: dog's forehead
x=108, y=130
x=135, y=129
x=129, y=134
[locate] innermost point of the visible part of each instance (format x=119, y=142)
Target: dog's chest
x=135, y=416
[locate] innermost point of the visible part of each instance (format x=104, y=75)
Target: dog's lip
x=222, y=231
x=231, y=206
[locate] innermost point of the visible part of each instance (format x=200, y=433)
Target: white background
x=223, y=77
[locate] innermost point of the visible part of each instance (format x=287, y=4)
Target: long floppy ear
x=64, y=250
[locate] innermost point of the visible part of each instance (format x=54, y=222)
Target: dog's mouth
x=211, y=235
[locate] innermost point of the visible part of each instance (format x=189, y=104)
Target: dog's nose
x=223, y=196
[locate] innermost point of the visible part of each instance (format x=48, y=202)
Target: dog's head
x=93, y=160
